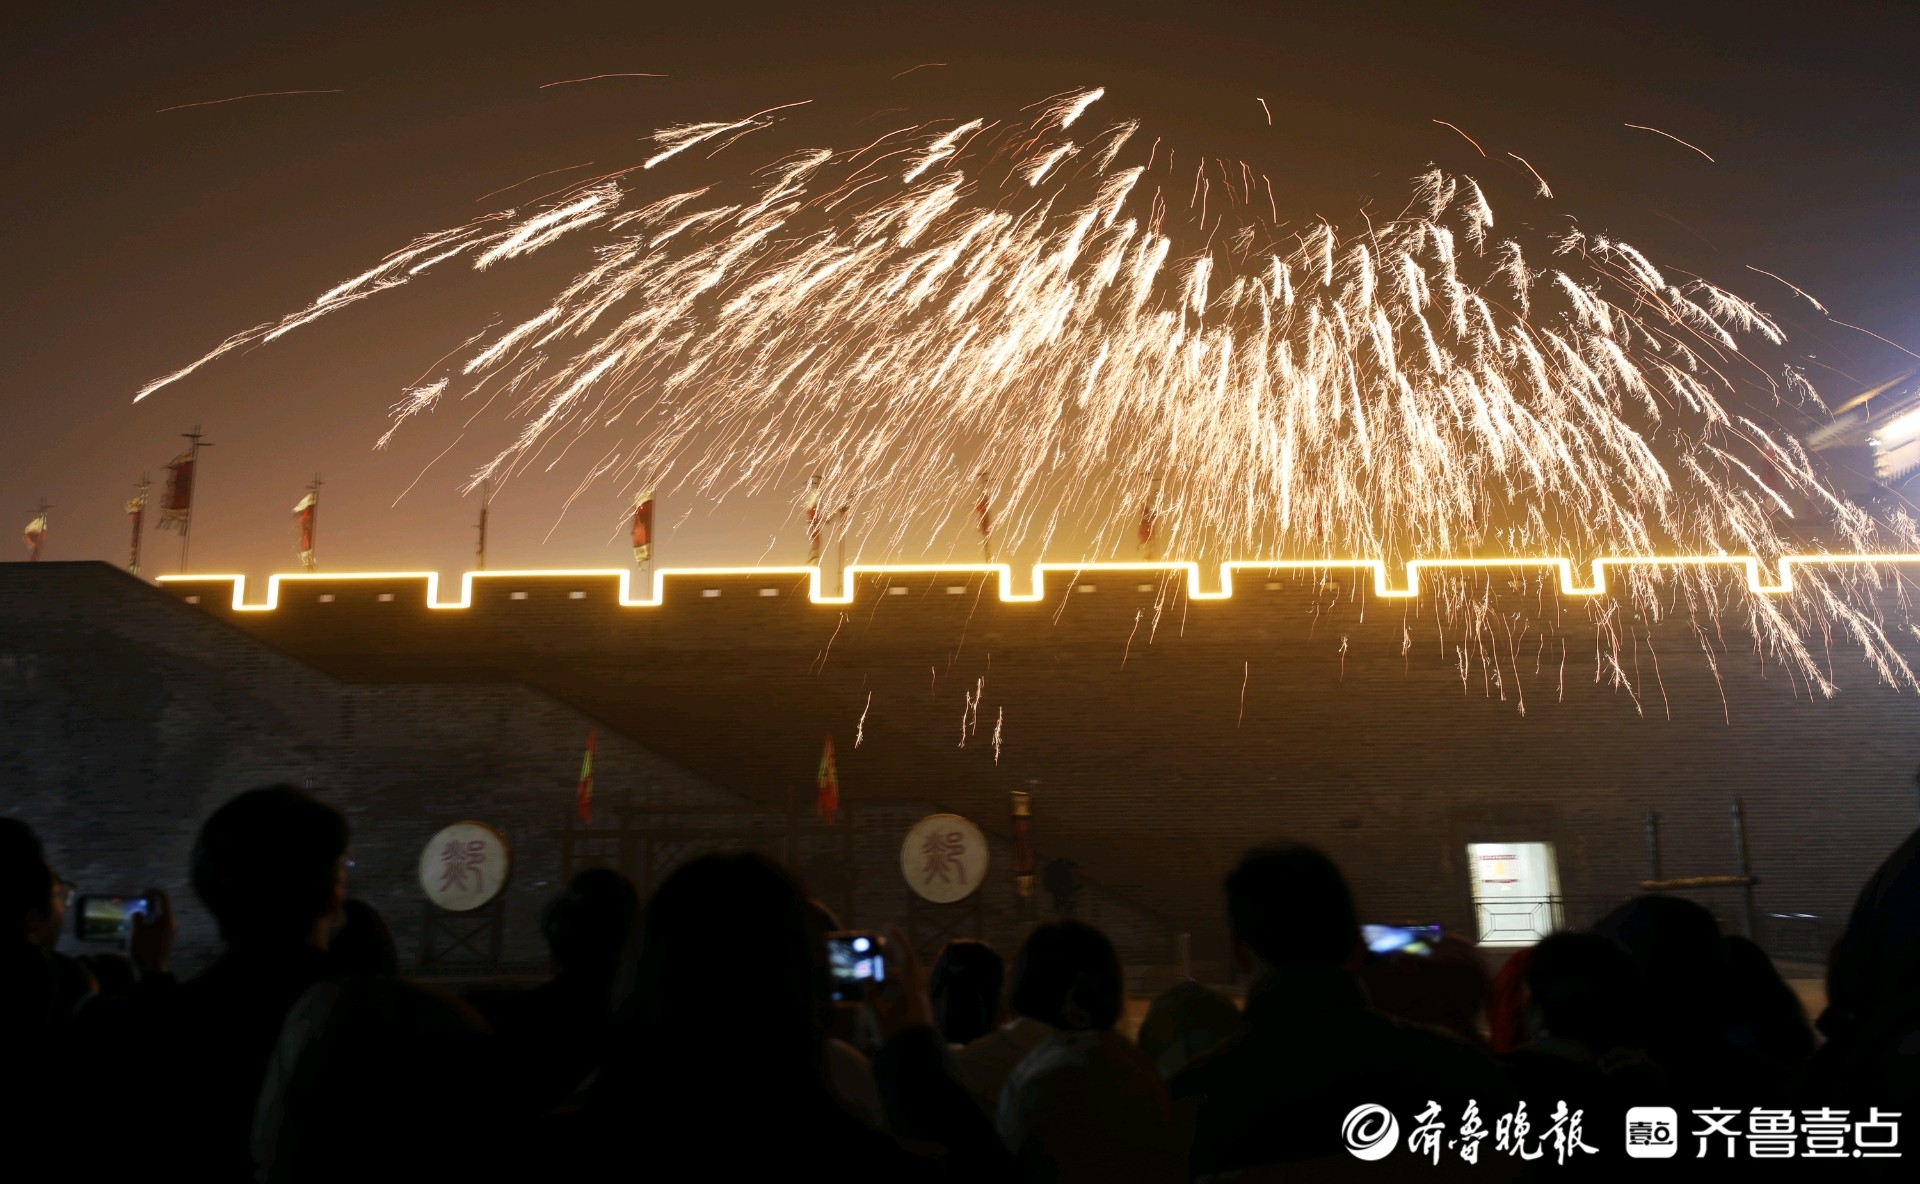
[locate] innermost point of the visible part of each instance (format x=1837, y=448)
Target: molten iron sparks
x=1051, y=303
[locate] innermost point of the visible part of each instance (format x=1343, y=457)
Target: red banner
x=178, y=502
x=643, y=527
x=304, y=511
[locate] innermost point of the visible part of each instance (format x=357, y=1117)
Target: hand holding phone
x=109, y=918
x=901, y=1002
x=150, y=944
x=856, y=964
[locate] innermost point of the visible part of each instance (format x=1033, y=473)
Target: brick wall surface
x=1159, y=736
x=127, y=716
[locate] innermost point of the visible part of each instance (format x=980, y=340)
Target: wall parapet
x=1760, y=577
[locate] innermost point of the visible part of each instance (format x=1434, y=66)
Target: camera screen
x=1401, y=939
x=108, y=918
x=855, y=961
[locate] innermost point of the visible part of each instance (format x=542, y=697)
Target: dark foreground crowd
x=691, y=1037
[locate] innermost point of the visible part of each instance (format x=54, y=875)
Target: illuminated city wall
x=1161, y=728
x=130, y=716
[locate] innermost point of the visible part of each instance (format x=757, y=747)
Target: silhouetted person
x=1872, y=1020
x=1676, y=946
x=1443, y=988
x=270, y=865
x=1771, y=1019
x=1586, y=997
x=1505, y=1004
x=38, y=989
x=966, y=985
x=718, y=1067
x=33, y=910
x=32, y=905
x=376, y=1078
x=1277, y=1090
x=363, y=946
x=1185, y=1021
x=1085, y=1104
x=554, y=1035
x=1586, y=1001
x=1036, y=993
x=849, y=1026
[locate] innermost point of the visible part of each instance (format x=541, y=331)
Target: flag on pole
x=986, y=527
x=583, y=795
x=303, y=511
x=643, y=526
x=826, y=803
x=35, y=534
x=136, y=515
x=177, y=505
x=814, y=523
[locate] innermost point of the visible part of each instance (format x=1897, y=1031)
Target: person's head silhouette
x=1068, y=975
x=270, y=865
x=587, y=926
x=965, y=986
x=731, y=966
x=28, y=899
x=1288, y=905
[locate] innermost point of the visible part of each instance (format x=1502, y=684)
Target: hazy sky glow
x=180, y=175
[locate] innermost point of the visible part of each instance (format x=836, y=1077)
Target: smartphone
x=1401, y=939
x=856, y=964
x=108, y=918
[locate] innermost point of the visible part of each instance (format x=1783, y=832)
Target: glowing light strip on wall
x=1755, y=573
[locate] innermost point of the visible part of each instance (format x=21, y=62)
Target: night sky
x=135, y=239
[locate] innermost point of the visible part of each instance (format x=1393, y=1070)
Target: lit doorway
x=1516, y=892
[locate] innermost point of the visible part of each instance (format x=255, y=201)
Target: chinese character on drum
x=464, y=866
x=943, y=858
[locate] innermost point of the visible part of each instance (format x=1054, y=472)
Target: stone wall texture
x=1158, y=735
x=127, y=716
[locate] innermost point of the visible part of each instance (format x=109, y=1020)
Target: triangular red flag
x=827, y=803
x=583, y=796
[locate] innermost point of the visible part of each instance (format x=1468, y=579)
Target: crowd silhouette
x=694, y=1035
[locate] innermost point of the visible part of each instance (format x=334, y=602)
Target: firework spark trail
x=593, y=78
x=677, y=139
x=265, y=94
x=1676, y=139
x=1544, y=190
x=989, y=296
x=1797, y=290
x=1464, y=136
x=524, y=180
